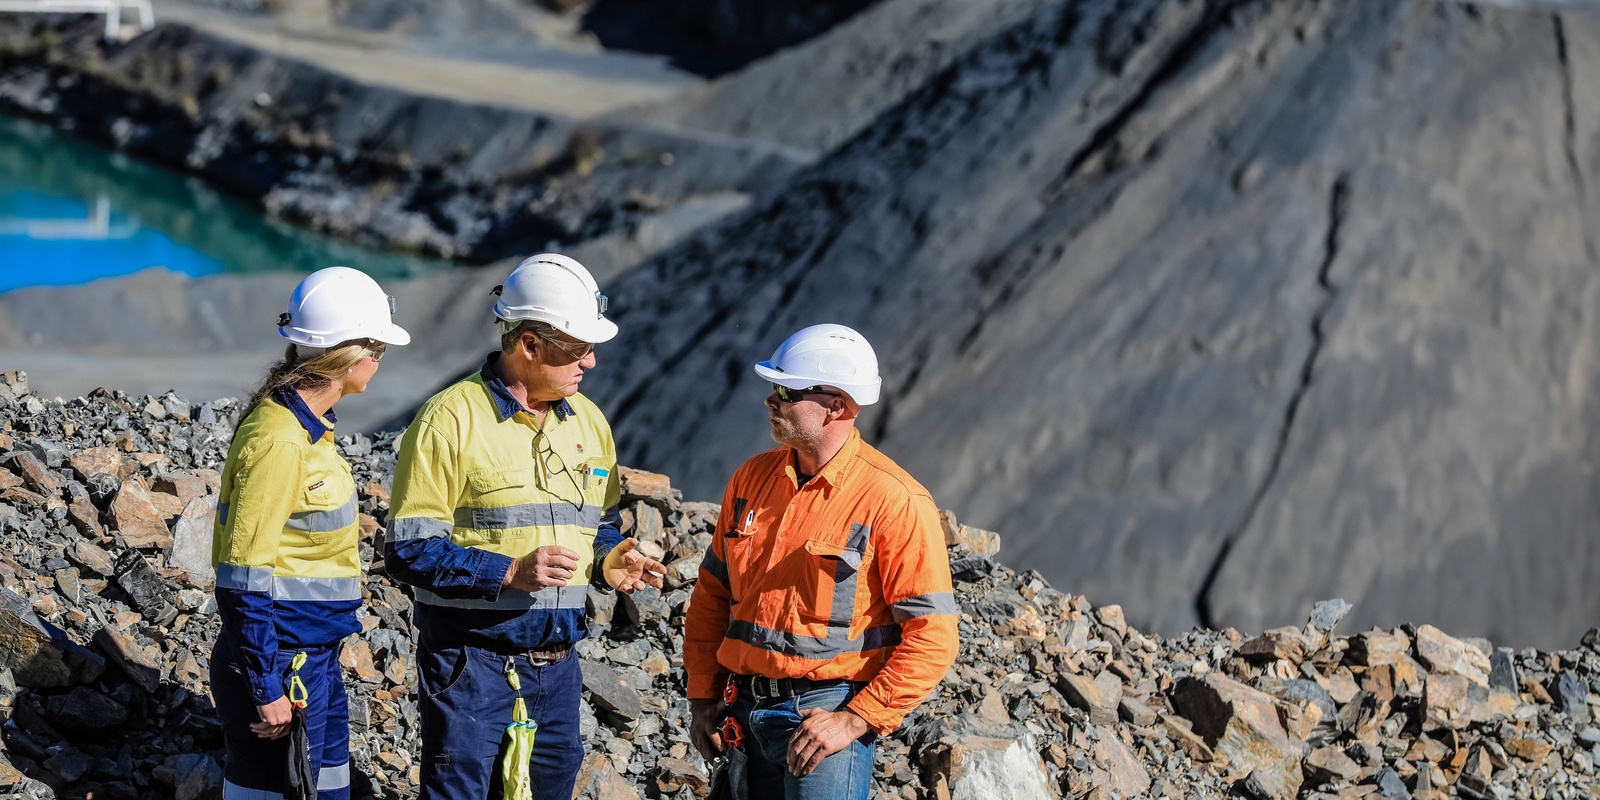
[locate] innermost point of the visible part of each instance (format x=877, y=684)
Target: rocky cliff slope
x=1217, y=307
x=106, y=622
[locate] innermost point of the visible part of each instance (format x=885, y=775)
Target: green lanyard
x=297, y=687
x=517, y=782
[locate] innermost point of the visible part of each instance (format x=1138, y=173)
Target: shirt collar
x=316, y=427
x=833, y=472
x=504, y=402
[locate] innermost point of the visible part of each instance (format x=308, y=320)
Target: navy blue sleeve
x=446, y=568
x=247, y=617
x=608, y=537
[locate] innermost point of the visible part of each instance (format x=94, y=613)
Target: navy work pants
x=257, y=768
x=465, y=705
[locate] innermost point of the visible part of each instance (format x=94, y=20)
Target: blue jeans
x=465, y=705
x=254, y=768
x=845, y=775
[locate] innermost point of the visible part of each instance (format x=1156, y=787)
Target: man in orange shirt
x=824, y=611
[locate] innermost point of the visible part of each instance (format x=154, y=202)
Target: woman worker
x=285, y=543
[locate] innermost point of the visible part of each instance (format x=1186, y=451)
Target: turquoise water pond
x=72, y=212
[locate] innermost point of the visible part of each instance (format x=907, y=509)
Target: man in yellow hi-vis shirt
x=502, y=519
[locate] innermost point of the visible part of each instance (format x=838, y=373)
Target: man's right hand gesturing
x=551, y=565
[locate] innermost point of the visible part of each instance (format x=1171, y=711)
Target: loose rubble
x=106, y=625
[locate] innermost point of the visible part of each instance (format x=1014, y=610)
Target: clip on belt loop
x=297, y=687
x=730, y=691
x=732, y=733
x=514, y=771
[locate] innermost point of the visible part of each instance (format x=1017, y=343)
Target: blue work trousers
x=845, y=775
x=257, y=768
x=465, y=705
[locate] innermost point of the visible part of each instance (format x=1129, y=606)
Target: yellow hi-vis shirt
x=285, y=543
x=477, y=471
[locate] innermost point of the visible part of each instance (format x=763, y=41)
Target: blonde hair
x=313, y=371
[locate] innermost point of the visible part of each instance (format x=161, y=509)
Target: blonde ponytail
x=312, y=372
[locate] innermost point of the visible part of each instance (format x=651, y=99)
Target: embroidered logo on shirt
x=315, y=486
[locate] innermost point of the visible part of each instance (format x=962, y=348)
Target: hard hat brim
x=772, y=374
x=593, y=331
x=862, y=394
x=395, y=335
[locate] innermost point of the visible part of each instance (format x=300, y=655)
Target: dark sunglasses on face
x=377, y=349
x=787, y=395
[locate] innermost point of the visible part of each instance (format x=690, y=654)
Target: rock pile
x=106, y=623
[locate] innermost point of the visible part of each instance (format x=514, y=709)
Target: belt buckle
x=547, y=657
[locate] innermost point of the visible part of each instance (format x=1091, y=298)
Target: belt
x=764, y=689
x=551, y=656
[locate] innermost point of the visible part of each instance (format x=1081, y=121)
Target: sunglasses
x=578, y=350
x=787, y=395
x=376, y=348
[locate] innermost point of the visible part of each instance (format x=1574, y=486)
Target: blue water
x=71, y=212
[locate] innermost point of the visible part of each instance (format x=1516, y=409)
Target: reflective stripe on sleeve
x=801, y=646
x=333, y=777
x=514, y=599
x=528, y=515
x=923, y=605
x=244, y=579
x=716, y=566
x=324, y=521
x=314, y=589
x=408, y=528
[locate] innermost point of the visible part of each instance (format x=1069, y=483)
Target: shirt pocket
x=828, y=586
x=488, y=481
x=328, y=516
x=738, y=550
x=491, y=509
x=594, y=476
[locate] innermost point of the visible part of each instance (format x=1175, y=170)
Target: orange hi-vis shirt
x=845, y=578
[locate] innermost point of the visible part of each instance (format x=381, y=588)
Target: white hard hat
x=339, y=304
x=826, y=355
x=553, y=288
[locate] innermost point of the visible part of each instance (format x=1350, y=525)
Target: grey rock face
x=1240, y=305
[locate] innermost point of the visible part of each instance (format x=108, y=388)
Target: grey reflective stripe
x=324, y=521
x=325, y=589
x=408, y=528
x=222, y=513
x=923, y=605
x=844, y=579
x=528, y=515
x=515, y=599
x=233, y=791
x=244, y=579
x=333, y=777
x=823, y=649
x=716, y=566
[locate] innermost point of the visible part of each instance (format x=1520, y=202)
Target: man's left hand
x=628, y=570
x=821, y=734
